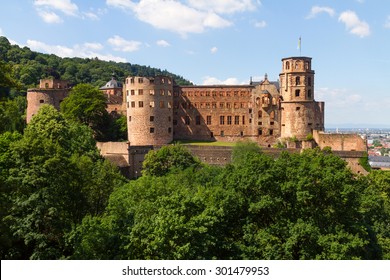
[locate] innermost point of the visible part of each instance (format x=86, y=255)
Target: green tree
x=167, y=159
x=87, y=105
x=57, y=177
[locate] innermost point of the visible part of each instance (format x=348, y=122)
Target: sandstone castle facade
x=159, y=112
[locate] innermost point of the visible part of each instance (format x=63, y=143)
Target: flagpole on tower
x=300, y=46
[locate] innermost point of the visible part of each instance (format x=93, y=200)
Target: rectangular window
x=152, y=118
x=222, y=133
x=228, y=105
x=151, y=130
x=140, y=92
x=214, y=105
x=229, y=120
x=132, y=92
x=129, y=118
x=169, y=104
x=259, y=131
x=236, y=120
x=127, y=104
x=187, y=120
x=243, y=119
x=132, y=104
x=271, y=132
x=140, y=104
x=162, y=92
x=151, y=104
x=151, y=92
x=208, y=120
x=197, y=120
x=222, y=120
x=221, y=105
x=169, y=130
x=297, y=92
x=140, y=80
x=162, y=104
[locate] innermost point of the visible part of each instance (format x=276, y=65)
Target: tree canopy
x=299, y=206
x=55, y=176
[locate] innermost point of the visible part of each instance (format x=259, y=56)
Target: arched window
x=297, y=92
x=260, y=114
x=298, y=80
x=287, y=65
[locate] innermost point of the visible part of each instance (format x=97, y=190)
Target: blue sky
x=226, y=42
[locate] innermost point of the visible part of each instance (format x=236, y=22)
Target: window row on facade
x=152, y=104
x=214, y=93
x=212, y=105
x=162, y=92
x=140, y=80
x=298, y=93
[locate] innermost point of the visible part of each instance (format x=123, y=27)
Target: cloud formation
x=65, y=6
x=338, y=98
x=214, y=81
x=86, y=50
x=260, y=24
x=49, y=17
x=315, y=10
x=194, y=16
x=214, y=50
x=162, y=43
x=120, y=44
x=354, y=25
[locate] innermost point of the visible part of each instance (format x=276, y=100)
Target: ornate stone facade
x=159, y=111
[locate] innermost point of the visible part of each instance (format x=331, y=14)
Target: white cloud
x=123, y=45
x=338, y=98
x=315, y=10
x=65, y=6
x=183, y=18
x=93, y=46
x=215, y=81
x=162, y=43
x=91, y=15
x=387, y=23
x=49, y=17
x=224, y=6
x=354, y=25
x=87, y=50
x=213, y=49
x=260, y=24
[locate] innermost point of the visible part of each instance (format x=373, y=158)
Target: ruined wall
x=340, y=142
x=227, y=113
x=50, y=92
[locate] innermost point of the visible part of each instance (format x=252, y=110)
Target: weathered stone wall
x=39, y=97
x=149, y=110
x=340, y=142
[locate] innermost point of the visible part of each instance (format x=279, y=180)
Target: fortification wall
x=340, y=142
x=38, y=97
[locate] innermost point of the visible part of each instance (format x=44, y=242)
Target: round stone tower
x=50, y=91
x=301, y=114
x=149, y=104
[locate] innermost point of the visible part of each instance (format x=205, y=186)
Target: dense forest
x=59, y=199
x=28, y=67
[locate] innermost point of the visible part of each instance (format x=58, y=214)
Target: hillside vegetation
x=29, y=66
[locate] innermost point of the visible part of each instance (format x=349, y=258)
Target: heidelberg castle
x=159, y=112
